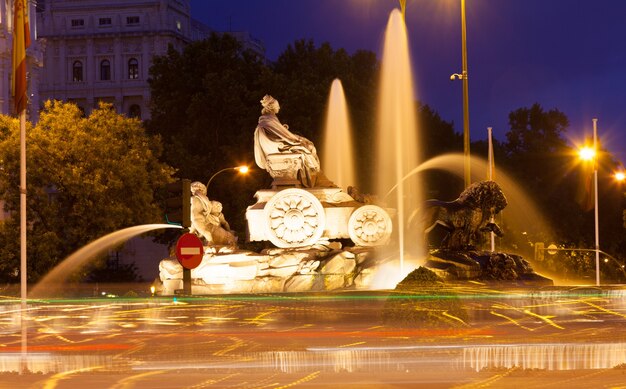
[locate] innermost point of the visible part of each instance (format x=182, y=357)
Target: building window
x=179, y=26
x=132, y=20
x=104, y=21
x=105, y=70
x=134, y=111
x=78, y=23
x=77, y=71
x=133, y=69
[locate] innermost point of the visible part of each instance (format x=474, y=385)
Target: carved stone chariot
x=290, y=216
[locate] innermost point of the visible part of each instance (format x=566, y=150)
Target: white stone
x=283, y=272
x=288, y=259
x=300, y=283
x=268, y=285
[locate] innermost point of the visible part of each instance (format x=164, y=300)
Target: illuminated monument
x=303, y=211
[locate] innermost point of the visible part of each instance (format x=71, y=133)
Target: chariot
x=290, y=216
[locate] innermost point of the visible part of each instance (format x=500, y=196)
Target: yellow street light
x=620, y=176
x=587, y=153
x=240, y=169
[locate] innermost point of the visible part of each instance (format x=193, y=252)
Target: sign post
x=189, y=252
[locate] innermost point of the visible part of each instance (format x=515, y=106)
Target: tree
x=437, y=137
x=303, y=75
x=539, y=158
x=87, y=176
x=205, y=104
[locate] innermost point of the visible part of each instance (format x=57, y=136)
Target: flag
x=21, y=41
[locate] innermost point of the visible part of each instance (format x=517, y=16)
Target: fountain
x=55, y=280
x=397, y=151
x=338, y=156
x=304, y=210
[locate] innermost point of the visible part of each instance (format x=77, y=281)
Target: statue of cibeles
x=207, y=220
x=271, y=137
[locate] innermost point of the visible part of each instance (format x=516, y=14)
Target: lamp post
x=592, y=154
x=467, y=177
x=241, y=169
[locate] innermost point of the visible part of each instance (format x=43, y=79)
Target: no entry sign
x=189, y=251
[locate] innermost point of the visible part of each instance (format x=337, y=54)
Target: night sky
x=563, y=54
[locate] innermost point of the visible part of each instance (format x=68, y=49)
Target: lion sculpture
x=467, y=218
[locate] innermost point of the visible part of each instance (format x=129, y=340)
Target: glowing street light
x=589, y=154
x=240, y=169
x=620, y=176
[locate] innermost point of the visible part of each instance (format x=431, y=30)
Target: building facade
x=99, y=50
x=87, y=51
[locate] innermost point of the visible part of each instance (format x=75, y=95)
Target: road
x=475, y=337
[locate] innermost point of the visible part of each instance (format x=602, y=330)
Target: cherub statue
x=207, y=220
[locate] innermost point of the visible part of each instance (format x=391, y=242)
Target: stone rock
x=170, y=286
x=284, y=272
x=483, y=266
x=170, y=269
x=338, y=264
x=364, y=279
x=287, y=259
x=309, y=267
x=300, y=283
x=268, y=285
x=334, y=281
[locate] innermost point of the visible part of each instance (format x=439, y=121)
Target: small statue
x=207, y=220
x=467, y=218
x=222, y=234
x=271, y=137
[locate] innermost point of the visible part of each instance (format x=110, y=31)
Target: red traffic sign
x=189, y=251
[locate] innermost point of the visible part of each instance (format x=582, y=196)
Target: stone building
x=86, y=51
x=101, y=50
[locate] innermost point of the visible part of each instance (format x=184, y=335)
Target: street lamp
x=588, y=154
x=467, y=177
x=241, y=169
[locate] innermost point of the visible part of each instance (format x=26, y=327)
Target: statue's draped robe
x=271, y=137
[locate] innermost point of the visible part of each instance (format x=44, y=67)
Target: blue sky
x=563, y=54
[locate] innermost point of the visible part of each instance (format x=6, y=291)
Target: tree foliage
x=87, y=176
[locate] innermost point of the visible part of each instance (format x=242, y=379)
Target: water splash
x=522, y=215
x=53, y=281
x=397, y=151
x=338, y=160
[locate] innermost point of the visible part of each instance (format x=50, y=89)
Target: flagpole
x=19, y=88
x=595, y=183
x=23, y=279
x=491, y=167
